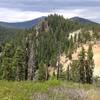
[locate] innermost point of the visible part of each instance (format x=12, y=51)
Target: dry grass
x=49, y=90
x=69, y=91
x=93, y=94
x=63, y=93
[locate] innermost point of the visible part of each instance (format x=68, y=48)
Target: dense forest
x=7, y=33
x=29, y=53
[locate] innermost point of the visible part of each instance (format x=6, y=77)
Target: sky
x=23, y=10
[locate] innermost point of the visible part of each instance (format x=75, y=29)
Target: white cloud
x=14, y=15
x=70, y=13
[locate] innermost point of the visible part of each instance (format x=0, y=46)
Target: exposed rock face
x=96, y=51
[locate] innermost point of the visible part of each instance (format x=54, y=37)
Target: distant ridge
x=82, y=20
x=22, y=25
x=31, y=23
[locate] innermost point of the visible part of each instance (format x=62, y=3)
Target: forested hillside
x=6, y=33
x=21, y=25
x=83, y=20
x=33, y=53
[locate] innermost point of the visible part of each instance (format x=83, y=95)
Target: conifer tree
x=7, y=62
x=81, y=67
x=90, y=63
x=75, y=71
x=19, y=64
x=41, y=72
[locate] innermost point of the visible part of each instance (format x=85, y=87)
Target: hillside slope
x=6, y=33
x=40, y=48
x=96, y=56
x=22, y=25
x=83, y=20
x=96, y=52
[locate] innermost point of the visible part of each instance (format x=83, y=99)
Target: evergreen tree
x=74, y=71
x=7, y=62
x=90, y=63
x=36, y=51
x=19, y=64
x=41, y=72
x=81, y=67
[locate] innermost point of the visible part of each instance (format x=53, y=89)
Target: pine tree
x=41, y=72
x=7, y=61
x=81, y=67
x=19, y=64
x=74, y=71
x=90, y=63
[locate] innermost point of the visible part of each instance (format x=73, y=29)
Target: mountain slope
x=82, y=20
x=7, y=33
x=22, y=25
x=42, y=46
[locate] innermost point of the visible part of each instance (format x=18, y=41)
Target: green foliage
x=74, y=74
x=24, y=90
x=41, y=72
x=55, y=41
x=7, y=33
x=19, y=64
x=43, y=45
x=6, y=67
x=81, y=66
x=82, y=69
x=90, y=64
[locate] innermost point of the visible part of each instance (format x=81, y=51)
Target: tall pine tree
x=19, y=64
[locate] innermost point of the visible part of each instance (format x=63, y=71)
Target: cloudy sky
x=22, y=10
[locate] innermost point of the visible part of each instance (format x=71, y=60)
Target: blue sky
x=22, y=10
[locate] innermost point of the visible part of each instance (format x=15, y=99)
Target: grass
x=52, y=89
x=23, y=90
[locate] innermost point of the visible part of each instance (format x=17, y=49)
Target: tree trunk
x=57, y=72
x=46, y=72
x=31, y=59
x=68, y=74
